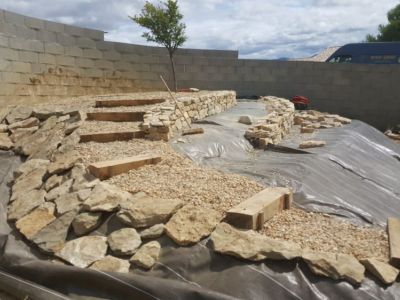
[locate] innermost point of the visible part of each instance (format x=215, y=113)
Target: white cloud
x=259, y=29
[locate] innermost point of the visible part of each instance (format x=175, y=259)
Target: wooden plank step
x=393, y=226
x=127, y=102
x=122, y=116
x=255, y=211
x=106, y=137
x=110, y=168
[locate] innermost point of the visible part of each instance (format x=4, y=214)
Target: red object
x=301, y=100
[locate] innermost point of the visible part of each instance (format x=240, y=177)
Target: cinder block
x=104, y=45
x=5, y=65
x=104, y=64
x=85, y=43
x=45, y=58
x=8, y=28
x=13, y=18
x=7, y=53
x=65, y=39
x=97, y=35
x=10, y=77
x=28, y=56
x=2, y=16
x=141, y=67
x=53, y=48
x=73, y=51
x=188, y=60
x=46, y=36
x=92, y=53
x=4, y=41
x=65, y=60
x=93, y=72
x=74, y=30
x=112, y=55
x=149, y=76
x=123, y=66
x=53, y=26
x=25, y=32
x=21, y=67
x=84, y=62
x=34, y=23
x=7, y=89
x=135, y=58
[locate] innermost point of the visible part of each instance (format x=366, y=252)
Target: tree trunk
x=171, y=58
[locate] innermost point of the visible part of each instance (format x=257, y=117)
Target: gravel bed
x=325, y=233
x=106, y=126
x=174, y=177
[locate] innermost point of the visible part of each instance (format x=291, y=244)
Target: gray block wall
x=41, y=60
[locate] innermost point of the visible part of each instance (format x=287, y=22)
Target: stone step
x=255, y=211
x=120, y=116
x=393, y=227
x=127, y=102
x=110, y=168
x=106, y=137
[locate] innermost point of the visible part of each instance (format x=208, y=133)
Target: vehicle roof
x=381, y=48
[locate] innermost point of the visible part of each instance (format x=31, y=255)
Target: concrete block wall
x=41, y=60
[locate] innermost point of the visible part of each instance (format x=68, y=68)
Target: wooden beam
x=110, y=168
x=123, y=116
x=255, y=211
x=193, y=131
x=106, y=137
x=127, y=102
x=393, y=226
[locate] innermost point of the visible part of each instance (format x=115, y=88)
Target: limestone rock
x=60, y=190
x=190, y=224
x=30, y=165
x=307, y=130
x=71, y=128
x=44, y=113
x=86, y=222
x=335, y=266
x=83, y=251
x=25, y=203
x=27, y=182
x=3, y=128
x=33, y=222
x=111, y=264
x=342, y=120
x=53, y=182
x=69, y=142
x=105, y=197
x=21, y=133
x=84, y=194
x=245, y=120
x=31, y=122
x=5, y=142
x=67, y=202
x=63, y=162
x=312, y=144
x=145, y=211
x=52, y=237
x=147, y=255
x=4, y=111
x=153, y=232
x=383, y=271
x=252, y=245
x=124, y=241
x=19, y=113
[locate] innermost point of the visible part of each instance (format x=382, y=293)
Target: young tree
x=389, y=32
x=165, y=27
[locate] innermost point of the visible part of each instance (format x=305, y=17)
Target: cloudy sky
x=257, y=28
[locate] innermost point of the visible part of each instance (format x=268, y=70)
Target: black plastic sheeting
x=356, y=176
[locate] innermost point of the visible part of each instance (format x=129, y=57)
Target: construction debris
x=311, y=144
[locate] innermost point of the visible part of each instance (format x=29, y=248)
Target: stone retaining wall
x=167, y=119
x=277, y=123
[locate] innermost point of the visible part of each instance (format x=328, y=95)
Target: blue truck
x=367, y=53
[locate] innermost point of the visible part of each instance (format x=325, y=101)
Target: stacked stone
x=311, y=120
x=162, y=123
x=277, y=123
x=53, y=192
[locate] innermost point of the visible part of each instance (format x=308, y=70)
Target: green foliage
x=164, y=24
x=165, y=27
x=389, y=32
